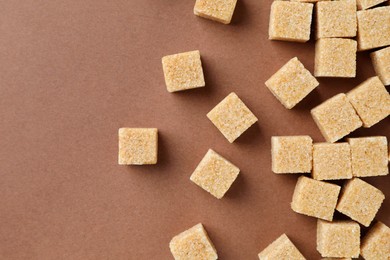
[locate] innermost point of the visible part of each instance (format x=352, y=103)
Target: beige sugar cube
x=336, y=19
x=360, y=201
x=291, y=83
x=365, y=4
x=281, y=249
x=373, y=28
x=336, y=118
x=217, y=10
x=376, y=243
x=291, y=154
x=137, y=146
x=331, y=161
x=215, y=174
x=335, y=57
x=194, y=244
x=369, y=156
x=315, y=198
x=183, y=71
x=290, y=21
x=381, y=61
x=232, y=117
x=338, y=238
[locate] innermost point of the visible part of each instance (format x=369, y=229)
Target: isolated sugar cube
x=365, y=4
x=281, y=249
x=376, y=243
x=217, y=10
x=381, y=61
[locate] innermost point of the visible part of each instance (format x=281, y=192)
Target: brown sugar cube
x=331, y=161
x=215, y=174
x=360, y=201
x=137, y=146
x=336, y=118
x=232, y=117
x=183, y=71
x=365, y=4
x=193, y=243
x=335, y=57
x=381, y=61
x=373, y=28
x=336, y=19
x=338, y=238
x=281, y=249
x=369, y=156
x=291, y=154
x=371, y=101
x=291, y=83
x=290, y=21
x=376, y=243
x=217, y=10
x=315, y=198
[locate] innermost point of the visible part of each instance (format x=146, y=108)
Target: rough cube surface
x=338, y=238
x=215, y=174
x=360, y=201
x=291, y=154
x=217, y=10
x=137, y=146
x=369, y=156
x=371, y=101
x=282, y=249
x=376, y=243
x=194, y=244
x=291, y=83
x=335, y=57
x=290, y=21
x=381, y=61
x=183, y=71
x=365, y=4
x=315, y=198
x=232, y=117
x=336, y=118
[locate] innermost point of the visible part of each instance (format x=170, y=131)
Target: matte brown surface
x=74, y=71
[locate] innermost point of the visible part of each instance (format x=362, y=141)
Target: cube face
x=217, y=10
x=336, y=118
x=282, y=249
x=360, y=201
x=369, y=156
x=232, y=117
x=291, y=83
x=331, y=161
x=291, y=154
x=336, y=19
x=290, y=21
x=338, y=238
x=193, y=243
x=215, y=174
x=183, y=71
x=365, y=4
x=381, y=61
x=137, y=146
x=371, y=101
x=335, y=57
x=376, y=243
x=315, y=198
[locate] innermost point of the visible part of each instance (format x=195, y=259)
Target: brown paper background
x=73, y=71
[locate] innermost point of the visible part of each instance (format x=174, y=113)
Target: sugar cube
x=281, y=249
x=217, y=10
x=376, y=243
x=381, y=61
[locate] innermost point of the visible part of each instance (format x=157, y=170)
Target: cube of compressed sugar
x=217, y=10
x=371, y=101
x=232, y=117
x=336, y=118
x=315, y=198
x=291, y=154
x=365, y=4
x=373, y=28
x=336, y=19
x=338, y=238
x=290, y=21
x=376, y=243
x=360, y=201
x=369, y=156
x=282, y=249
x=331, y=161
x=335, y=57
x=381, y=61
x=291, y=83
x=215, y=174
x=193, y=243
x=183, y=71
x=137, y=146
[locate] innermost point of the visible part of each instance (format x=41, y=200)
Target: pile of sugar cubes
x=338, y=23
